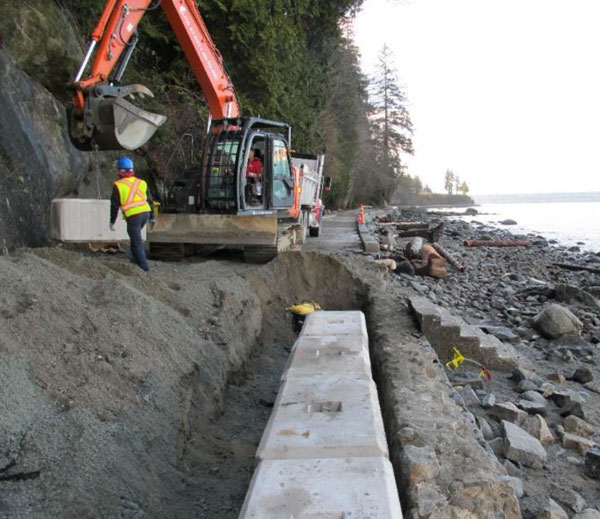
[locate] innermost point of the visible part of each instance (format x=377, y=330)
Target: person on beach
x=132, y=196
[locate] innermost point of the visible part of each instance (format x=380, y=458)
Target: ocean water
x=568, y=222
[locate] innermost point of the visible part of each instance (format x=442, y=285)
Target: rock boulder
x=37, y=160
x=556, y=321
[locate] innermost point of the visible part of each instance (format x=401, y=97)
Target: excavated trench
x=220, y=453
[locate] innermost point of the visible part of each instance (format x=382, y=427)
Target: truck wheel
x=314, y=231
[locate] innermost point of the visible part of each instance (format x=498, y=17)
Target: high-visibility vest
x=132, y=193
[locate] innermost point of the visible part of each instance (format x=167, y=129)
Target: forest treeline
x=290, y=60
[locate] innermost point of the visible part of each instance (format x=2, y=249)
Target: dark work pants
x=135, y=224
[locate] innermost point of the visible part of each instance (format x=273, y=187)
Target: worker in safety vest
x=132, y=196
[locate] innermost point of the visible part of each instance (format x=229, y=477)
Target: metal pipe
x=86, y=60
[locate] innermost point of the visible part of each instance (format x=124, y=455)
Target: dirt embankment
x=113, y=381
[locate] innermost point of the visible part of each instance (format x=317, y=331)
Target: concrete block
x=345, y=357
x=445, y=331
x=327, y=323
x=324, y=418
x=333, y=488
x=81, y=220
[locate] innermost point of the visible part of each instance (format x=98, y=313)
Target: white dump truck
x=312, y=184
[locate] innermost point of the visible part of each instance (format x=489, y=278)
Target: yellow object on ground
x=304, y=308
x=456, y=361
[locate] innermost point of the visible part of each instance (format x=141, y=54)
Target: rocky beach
x=541, y=418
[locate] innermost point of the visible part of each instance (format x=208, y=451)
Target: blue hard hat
x=125, y=163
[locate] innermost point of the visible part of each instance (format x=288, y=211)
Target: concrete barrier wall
x=81, y=220
x=324, y=453
x=330, y=356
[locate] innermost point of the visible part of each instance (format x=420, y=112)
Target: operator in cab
x=132, y=196
x=254, y=175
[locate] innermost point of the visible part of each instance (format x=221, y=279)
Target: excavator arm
x=102, y=118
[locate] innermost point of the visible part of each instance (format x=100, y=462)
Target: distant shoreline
x=533, y=198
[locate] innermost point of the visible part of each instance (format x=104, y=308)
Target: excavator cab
x=223, y=184
x=210, y=204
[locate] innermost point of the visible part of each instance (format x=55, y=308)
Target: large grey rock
x=37, y=160
x=576, y=296
x=567, y=497
x=521, y=447
x=592, y=462
x=538, y=428
x=470, y=397
x=508, y=411
x=534, y=396
x=556, y=320
x=520, y=374
x=588, y=513
x=552, y=511
x=577, y=443
x=576, y=425
x=517, y=484
x=40, y=38
x=583, y=375
x=533, y=407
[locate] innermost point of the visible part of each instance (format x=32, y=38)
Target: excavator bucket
x=110, y=122
x=123, y=126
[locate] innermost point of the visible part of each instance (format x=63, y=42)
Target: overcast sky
x=506, y=93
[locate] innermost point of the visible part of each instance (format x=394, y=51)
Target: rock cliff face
x=37, y=160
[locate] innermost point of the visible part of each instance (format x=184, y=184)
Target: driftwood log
x=497, y=243
x=426, y=259
x=405, y=226
x=570, y=266
x=432, y=234
x=445, y=254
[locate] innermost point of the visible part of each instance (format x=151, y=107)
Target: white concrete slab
x=345, y=356
x=335, y=323
x=354, y=343
x=324, y=418
x=82, y=220
x=342, y=488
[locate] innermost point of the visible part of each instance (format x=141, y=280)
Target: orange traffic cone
x=361, y=215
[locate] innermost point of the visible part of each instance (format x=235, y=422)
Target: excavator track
x=260, y=254
x=288, y=238
x=171, y=251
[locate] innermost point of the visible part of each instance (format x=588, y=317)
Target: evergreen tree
x=418, y=185
x=449, y=181
x=427, y=190
x=456, y=184
x=464, y=188
x=392, y=126
x=346, y=127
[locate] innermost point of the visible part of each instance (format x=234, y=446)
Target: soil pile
x=101, y=366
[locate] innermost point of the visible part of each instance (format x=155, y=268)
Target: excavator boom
x=102, y=118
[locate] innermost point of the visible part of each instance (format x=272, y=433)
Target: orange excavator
x=218, y=202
